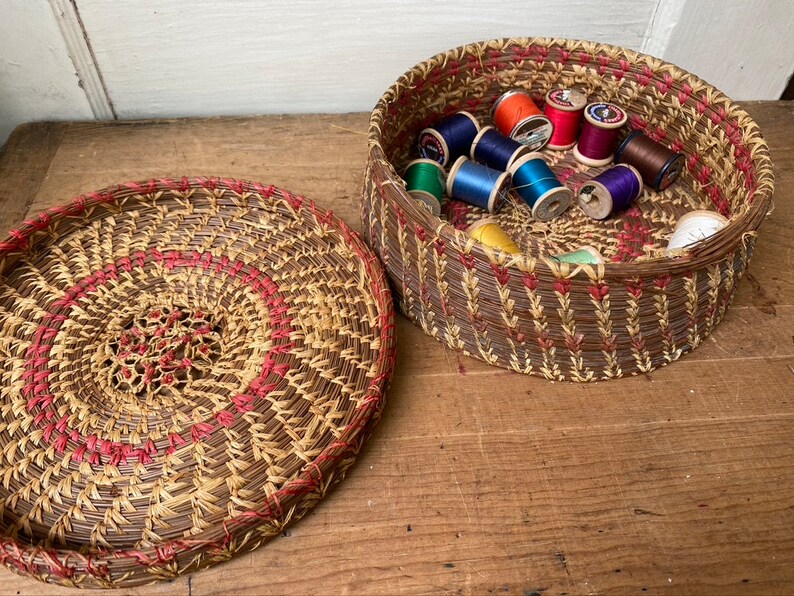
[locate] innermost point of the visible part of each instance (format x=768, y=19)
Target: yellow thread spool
x=489, y=233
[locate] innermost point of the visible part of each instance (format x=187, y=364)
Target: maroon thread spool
x=658, y=165
x=602, y=122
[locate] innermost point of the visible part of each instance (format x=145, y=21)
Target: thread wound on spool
x=478, y=184
x=658, y=165
x=611, y=191
x=425, y=181
x=695, y=227
x=491, y=234
x=449, y=138
x=517, y=116
x=495, y=150
x=536, y=183
x=596, y=143
x=585, y=255
x=564, y=107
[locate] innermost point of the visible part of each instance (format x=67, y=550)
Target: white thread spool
x=695, y=227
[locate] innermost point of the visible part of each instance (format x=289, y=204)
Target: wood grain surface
x=479, y=480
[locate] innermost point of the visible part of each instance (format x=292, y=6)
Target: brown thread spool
x=658, y=165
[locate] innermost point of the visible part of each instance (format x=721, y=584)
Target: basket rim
x=32, y=231
x=703, y=254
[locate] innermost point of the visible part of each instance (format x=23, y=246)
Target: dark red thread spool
x=518, y=117
x=602, y=123
x=564, y=107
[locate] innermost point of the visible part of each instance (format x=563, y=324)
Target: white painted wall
x=37, y=79
x=159, y=58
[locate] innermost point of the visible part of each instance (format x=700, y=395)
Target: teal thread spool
x=425, y=181
x=534, y=181
x=586, y=255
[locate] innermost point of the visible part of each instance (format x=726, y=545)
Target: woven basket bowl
x=187, y=367
x=640, y=310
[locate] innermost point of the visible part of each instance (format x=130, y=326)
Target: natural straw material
x=526, y=312
x=187, y=366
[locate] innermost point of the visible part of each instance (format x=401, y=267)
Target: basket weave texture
x=525, y=312
x=187, y=367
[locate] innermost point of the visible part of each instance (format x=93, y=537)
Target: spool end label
x=606, y=113
x=430, y=147
x=534, y=132
x=569, y=99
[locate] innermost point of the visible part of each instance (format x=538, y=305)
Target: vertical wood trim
x=664, y=19
x=82, y=55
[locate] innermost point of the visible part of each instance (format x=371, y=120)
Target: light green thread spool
x=586, y=255
x=425, y=181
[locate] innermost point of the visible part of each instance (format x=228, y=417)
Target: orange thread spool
x=516, y=116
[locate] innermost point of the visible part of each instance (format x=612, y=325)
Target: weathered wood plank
x=680, y=479
x=24, y=163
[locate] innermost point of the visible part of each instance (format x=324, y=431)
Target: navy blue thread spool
x=536, y=183
x=658, y=165
x=495, y=150
x=449, y=138
x=611, y=191
x=477, y=184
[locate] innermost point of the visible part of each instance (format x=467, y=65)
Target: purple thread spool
x=611, y=191
x=602, y=121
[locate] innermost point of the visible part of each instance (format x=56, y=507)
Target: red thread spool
x=564, y=107
x=516, y=116
x=602, y=122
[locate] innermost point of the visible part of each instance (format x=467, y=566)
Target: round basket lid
x=187, y=365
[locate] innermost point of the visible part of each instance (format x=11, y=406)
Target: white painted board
x=168, y=58
x=37, y=79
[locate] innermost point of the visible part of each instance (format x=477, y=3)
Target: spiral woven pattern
x=187, y=366
x=643, y=308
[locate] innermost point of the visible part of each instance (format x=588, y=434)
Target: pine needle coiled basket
x=187, y=366
x=530, y=314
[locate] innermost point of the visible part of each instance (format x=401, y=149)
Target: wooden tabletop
x=479, y=480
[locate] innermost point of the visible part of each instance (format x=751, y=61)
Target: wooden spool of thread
x=564, y=107
x=491, y=234
x=658, y=165
x=602, y=122
x=694, y=227
x=477, y=184
x=535, y=182
x=495, y=150
x=448, y=139
x=425, y=180
x=516, y=116
x=611, y=191
x=586, y=255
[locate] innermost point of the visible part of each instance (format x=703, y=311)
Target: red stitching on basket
x=37, y=387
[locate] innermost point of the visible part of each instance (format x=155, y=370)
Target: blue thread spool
x=492, y=148
x=534, y=181
x=611, y=191
x=477, y=184
x=448, y=139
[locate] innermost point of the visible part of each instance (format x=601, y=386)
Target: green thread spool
x=425, y=181
x=586, y=255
